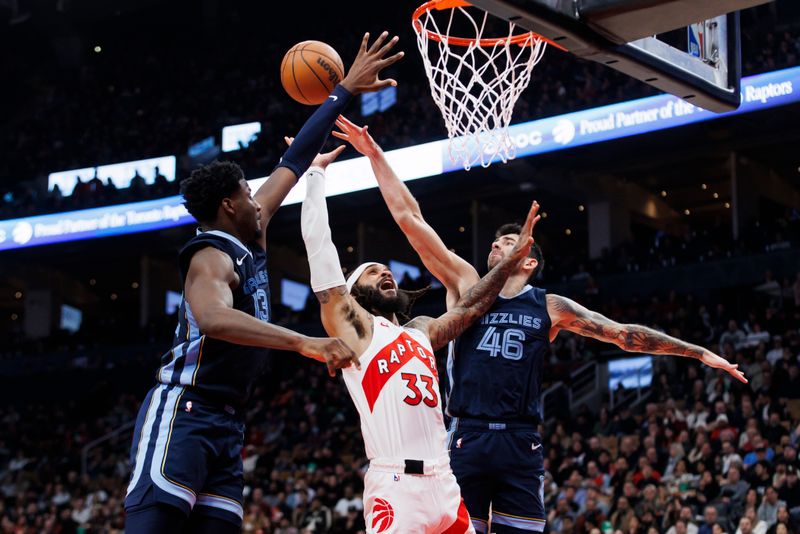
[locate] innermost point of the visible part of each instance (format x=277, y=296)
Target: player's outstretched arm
x=456, y=274
x=477, y=300
x=208, y=292
x=341, y=315
x=567, y=314
x=362, y=77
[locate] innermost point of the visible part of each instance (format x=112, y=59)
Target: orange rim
x=522, y=39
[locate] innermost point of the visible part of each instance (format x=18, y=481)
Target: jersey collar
x=525, y=289
x=227, y=236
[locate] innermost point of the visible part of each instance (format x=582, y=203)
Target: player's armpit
x=343, y=316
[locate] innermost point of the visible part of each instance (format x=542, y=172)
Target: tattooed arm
x=477, y=300
x=566, y=314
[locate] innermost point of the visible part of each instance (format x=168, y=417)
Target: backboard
x=689, y=48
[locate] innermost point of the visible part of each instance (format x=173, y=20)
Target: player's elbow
x=211, y=324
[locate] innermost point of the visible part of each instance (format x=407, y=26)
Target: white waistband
x=398, y=465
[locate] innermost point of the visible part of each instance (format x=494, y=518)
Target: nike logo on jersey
x=239, y=261
x=535, y=447
x=334, y=97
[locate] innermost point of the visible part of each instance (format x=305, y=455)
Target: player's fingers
x=336, y=151
x=378, y=42
x=331, y=368
x=288, y=139
x=535, y=220
x=364, y=43
x=345, y=125
x=385, y=62
x=347, y=121
x=388, y=46
x=356, y=362
x=380, y=84
x=528, y=227
x=340, y=135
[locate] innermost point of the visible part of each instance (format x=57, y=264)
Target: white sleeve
x=326, y=271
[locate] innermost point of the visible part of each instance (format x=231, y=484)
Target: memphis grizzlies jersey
x=220, y=370
x=495, y=366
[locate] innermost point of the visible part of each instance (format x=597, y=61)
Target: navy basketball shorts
x=186, y=453
x=500, y=468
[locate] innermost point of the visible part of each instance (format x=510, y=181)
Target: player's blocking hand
x=323, y=159
x=333, y=351
x=370, y=61
x=525, y=241
x=358, y=136
x=718, y=362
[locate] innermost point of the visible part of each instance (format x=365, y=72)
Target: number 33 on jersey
x=397, y=394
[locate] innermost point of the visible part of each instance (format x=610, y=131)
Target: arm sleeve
x=315, y=131
x=323, y=259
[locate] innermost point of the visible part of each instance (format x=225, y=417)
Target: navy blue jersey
x=220, y=370
x=495, y=366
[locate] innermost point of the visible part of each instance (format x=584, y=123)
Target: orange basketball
x=310, y=70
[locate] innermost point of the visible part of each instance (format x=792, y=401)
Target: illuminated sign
x=378, y=100
x=239, y=134
x=120, y=174
x=430, y=159
x=201, y=147
x=92, y=223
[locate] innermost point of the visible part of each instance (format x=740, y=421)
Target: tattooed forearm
x=635, y=338
x=448, y=327
x=474, y=303
x=630, y=337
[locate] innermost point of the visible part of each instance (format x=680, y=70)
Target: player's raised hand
x=356, y=135
x=525, y=241
x=370, y=61
x=718, y=362
x=322, y=159
x=332, y=351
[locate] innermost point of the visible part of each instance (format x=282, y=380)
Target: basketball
x=310, y=70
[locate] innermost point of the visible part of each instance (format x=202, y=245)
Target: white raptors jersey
x=396, y=393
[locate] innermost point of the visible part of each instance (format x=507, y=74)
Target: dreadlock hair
x=371, y=300
x=535, y=253
x=205, y=188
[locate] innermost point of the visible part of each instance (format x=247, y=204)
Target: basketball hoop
x=475, y=80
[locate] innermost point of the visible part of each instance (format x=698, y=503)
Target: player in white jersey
x=409, y=487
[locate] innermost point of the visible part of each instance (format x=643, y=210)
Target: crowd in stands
x=160, y=97
x=776, y=230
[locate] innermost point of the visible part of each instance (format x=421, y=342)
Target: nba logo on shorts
x=382, y=516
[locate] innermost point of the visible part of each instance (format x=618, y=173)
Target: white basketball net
x=476, y=87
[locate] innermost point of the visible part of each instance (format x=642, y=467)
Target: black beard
x=372, y=300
